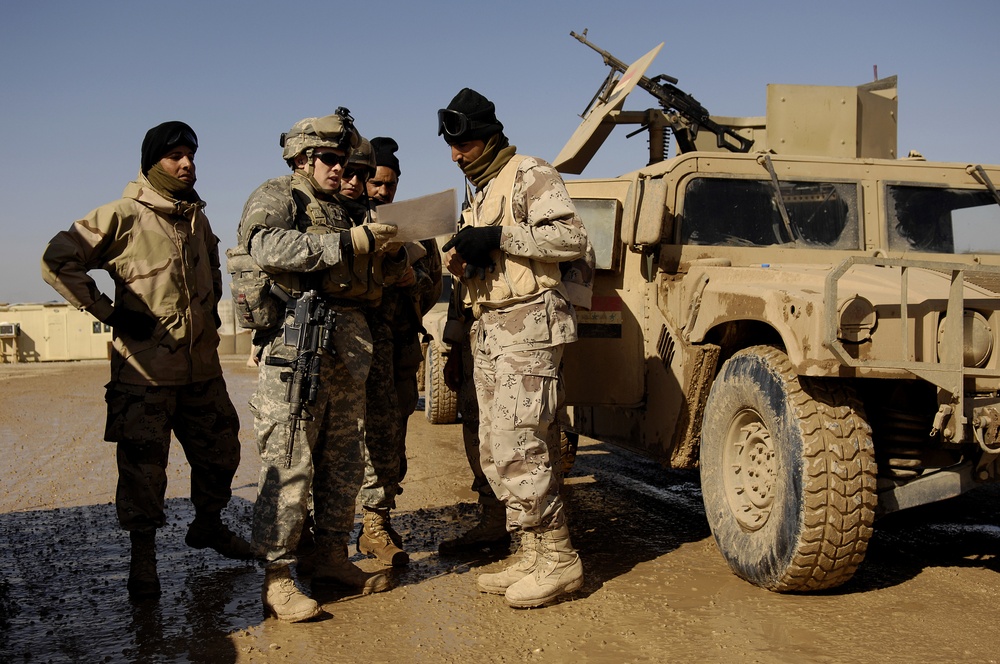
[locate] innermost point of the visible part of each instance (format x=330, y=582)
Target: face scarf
x=171, y=187
x=495, y=156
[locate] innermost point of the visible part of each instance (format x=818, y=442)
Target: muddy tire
x=787, y=474
x=440, y=403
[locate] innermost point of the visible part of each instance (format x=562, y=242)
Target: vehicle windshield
x=735, y=212
x=944, y=221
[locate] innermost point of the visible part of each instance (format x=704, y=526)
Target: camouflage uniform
x=519, y=338
x=413, y=302
x=382, y=451
x=390, y=401
x=164, y=260
x=293, y=235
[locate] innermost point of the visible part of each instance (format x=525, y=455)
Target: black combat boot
x=210, y=532
x=489, y=533
x=143, y=582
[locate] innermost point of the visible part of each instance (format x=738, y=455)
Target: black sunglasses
x=331, y=159
x=350, y=172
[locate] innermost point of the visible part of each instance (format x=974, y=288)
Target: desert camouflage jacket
x=541, y=229
x=164, y=260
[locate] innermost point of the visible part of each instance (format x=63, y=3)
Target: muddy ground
x=656, y=588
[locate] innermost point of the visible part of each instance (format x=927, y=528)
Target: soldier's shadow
x=63, y=596
x=623, y=510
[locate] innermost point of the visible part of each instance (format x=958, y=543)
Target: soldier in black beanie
x=382, y=187
x=166, y=377
x=164, y=137
x=518, y=225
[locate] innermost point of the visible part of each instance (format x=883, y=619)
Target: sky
x=81, y=82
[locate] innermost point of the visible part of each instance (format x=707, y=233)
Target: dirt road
x=656, y=588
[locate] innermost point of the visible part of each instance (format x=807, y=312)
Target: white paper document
x=421, y=218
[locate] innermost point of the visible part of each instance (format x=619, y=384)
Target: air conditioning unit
x=9, y=330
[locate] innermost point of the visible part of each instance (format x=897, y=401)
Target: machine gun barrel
x=614, y=62
x=672, y=98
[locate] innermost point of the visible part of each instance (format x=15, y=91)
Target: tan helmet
x=330, y=131
x=363, y=155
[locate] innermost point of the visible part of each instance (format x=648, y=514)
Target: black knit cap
x=480, y=119
x=163, y=138
x=385, y=153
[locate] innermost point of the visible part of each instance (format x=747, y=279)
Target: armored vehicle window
x=731, y=212
x=943, y=221
x=600, y=217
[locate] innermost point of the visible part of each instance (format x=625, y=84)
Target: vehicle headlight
x=977, y=339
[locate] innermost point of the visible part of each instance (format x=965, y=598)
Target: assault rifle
x=673, y=100
x=310, y=332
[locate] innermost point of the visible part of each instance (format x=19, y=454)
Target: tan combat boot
x=557, y=571
x=377, y=539
x=282, y=598
x=490, y=533
x=143, y=581
x=332, y=566
x=527, y=556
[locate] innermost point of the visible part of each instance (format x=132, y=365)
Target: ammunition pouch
x=256, y=308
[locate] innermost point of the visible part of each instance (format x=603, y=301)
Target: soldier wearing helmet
x=297, y=231
x=391, y=389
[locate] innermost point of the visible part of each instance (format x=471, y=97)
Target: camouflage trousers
x=468, y=407
x=327, y=456
x=519, y=394
x=383, y=442
x=205, y=423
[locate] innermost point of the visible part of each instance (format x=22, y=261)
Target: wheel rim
x=749, y=469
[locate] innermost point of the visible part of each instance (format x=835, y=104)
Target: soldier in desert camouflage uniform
x=296, y=231
x=519, y=224
x=160, y=251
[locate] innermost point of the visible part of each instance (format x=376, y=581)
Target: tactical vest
x=516, y=278
x=356, y=280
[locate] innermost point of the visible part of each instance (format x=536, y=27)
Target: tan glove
x=369, y=238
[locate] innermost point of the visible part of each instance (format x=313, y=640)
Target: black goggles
x=182, y=137
x=331, y=159
x=452, y=123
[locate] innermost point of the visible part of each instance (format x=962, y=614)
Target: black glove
x=216, y=318
x=474, y=244
x=137, y=325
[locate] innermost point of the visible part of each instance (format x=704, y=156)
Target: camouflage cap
x=330, y=131
x=363, y=155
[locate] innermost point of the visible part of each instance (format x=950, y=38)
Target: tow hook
x=944, y=411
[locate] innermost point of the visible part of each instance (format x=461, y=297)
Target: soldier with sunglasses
x=392, y=384
x=298, y=232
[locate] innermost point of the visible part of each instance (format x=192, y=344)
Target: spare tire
x=440, y=403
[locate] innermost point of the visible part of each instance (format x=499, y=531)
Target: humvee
x=791, y=308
